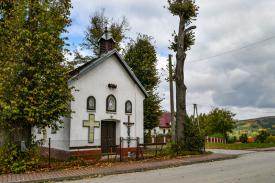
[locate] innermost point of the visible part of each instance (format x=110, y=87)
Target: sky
x=231, y=65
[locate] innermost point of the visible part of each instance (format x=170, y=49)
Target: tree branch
x=190, y=28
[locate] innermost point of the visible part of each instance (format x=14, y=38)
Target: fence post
x=137, y=151
x=108, y=148
x=49, y=152
x=156, y=150
x=120, y=149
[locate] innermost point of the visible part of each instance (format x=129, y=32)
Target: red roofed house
x=164, y=127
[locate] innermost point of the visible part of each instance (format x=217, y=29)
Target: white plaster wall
x=59, y=140
x=159, y=131
x=94, y=83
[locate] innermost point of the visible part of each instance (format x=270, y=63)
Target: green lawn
x=238, y=146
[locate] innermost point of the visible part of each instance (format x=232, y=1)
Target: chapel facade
x=107, y=106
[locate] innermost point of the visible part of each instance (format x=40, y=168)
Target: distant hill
x=253, y=125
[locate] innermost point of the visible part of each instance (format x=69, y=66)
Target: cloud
x=242, y=81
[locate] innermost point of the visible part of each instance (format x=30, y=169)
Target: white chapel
x=107, y=105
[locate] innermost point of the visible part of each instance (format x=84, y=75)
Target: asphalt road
x=250, y=167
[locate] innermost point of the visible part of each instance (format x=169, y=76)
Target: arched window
x=111, y=103
x=128, y=106
x=91, y=103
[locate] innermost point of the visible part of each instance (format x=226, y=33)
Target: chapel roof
x=83, y=69
x=76, y=70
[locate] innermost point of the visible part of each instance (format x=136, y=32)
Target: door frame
x=114, y=131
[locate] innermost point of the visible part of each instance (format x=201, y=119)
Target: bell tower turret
x=106, y=42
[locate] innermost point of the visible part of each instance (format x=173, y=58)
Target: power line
x=234, y=50
x=232, y=107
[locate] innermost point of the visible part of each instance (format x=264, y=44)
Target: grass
x=239, y=146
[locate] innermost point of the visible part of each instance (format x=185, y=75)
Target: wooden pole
x=173, y=124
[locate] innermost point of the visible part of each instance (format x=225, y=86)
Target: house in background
x=164, y=127
x=108, y=105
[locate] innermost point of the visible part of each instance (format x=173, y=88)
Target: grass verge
x=239, y=146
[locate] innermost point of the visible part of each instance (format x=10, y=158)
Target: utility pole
x=173, y=124
x=196, y=116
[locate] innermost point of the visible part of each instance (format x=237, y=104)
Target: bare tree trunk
x=180, y=86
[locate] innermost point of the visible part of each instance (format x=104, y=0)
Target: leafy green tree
x=187, y=11
x=98, y=22
x=243, y=138
x=219, y=121
x=262, y=136
x=33, y=73
x=141, y=57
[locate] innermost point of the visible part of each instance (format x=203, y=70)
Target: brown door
x=108, y=136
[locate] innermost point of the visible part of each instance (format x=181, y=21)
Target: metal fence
x=124, y=149
x=62, y=152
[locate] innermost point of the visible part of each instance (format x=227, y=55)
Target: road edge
x=138, y=169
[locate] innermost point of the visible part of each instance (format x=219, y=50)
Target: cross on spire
x=91, y=124
x=128, y=125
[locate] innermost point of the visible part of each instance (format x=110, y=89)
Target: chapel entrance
x=108, y=136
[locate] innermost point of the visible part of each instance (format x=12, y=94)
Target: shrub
x=243, y=138
x=194, y=138
x=170, y=149
x=173, y=149
x=270, y=139
x=147, y=137
x=12, y=160
x=262, y=136
x=232, y=139
x=217, y=135
x=194, y=141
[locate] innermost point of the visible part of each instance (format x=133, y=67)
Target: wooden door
x=108, y=136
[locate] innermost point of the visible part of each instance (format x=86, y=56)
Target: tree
x=33, y=84
x=186, y=10
x=219, y=121
x=141, y=57
x=98, y=22
x=262, y=136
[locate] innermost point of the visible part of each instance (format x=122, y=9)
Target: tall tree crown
x=187, y=11
x=96, y=29
x=33, y=84
x=141, y=57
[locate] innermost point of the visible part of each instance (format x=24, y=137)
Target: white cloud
x=242, y=80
